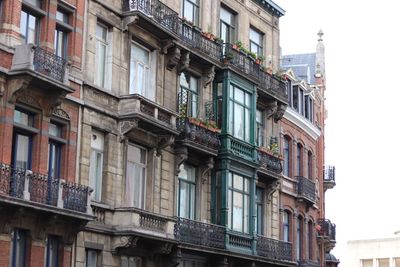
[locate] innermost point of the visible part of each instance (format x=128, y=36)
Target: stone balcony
x=306, y=190
x=329, y=177
x=26, y=189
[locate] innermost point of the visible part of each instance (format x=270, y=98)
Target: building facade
x=152, y=133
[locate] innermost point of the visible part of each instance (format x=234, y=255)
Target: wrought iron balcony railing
x=306, y=189
x=326, y=229
x=198, y=132
x=240, y=61
x=269, y=162
x=274, y=249
x=34, y=187
x=308, y=263
x=199, y=233
x=329, y=173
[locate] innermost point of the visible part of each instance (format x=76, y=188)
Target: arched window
x=309, y=165
x=299, y=159
x=286, y=226
x=310, y=240
x=299, y=239
x=286, y=155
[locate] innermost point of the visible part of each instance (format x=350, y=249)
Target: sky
x=362, y=52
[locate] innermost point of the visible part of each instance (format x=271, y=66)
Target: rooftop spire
x=320, y=56
x=320, y=34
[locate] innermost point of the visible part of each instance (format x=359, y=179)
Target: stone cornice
x=303, y=123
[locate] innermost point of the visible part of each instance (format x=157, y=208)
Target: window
x=29, y=27
x=286, y=226
x=36, y=3
x=54, y=150
x=226, y=25
x=260, y=128
x=96, y=164
x=367, y=263
x=256, y=42
x=135, y=176
x=295, y=97
x=101, y=54
x=383, y=262
x=61, y=33
x=289, y=89
x=188, y=95
x=259, y=210
x=286, y=155
x=140, y=72
x=191, y=11
x=22, y=139
x=310, y=240
x=187, y=192
x=299, y=152
x=93, y=258
x=309, y=165
x=18, y=249
x=238, y=203
x=309, y=109
x=301, y=102
x=240, y=107
x=53, y=251
x=299, y=238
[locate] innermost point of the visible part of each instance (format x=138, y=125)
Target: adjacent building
x=158, y=133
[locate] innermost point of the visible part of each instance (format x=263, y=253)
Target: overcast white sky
x=362, y=56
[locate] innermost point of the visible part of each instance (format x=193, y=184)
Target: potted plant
x=260, y=59
x=252, y=55
x=237, y=45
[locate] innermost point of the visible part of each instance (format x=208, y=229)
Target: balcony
x=153, y=16
x=137, y=111
x=274, y=249
x=196, y=233
x=306, y=190
x=241, y=62
x=326, y=233
x=329, y=177
x=19, y=187
x=272, y=86
x=308, y=263
x=41, y=70
x=270, y=163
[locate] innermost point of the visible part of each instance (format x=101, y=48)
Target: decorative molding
x=163, y=142
x=207, y=167
x=184, y=62
x=272, y=108
x=280, y=112
x=18, y=88
x=303, y=123
x=125, y=127
x=173, y=58
x=165, y=248
x=166, y=46
x=271, y=189
x=209, y=76
x=123, y=242
x=61, y=113
x=181, y=154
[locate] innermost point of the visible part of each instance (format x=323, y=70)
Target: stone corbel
x=184, y=62
x=125, y=127
x=166, y=46
x=173, y=58
x=271, y=109
x=119, y=242
x=18, y=87
x=209, y=76
x=165, y=248
x=164, y=142
x=280, y=112
x=52, y=102
x=205, y=170
x=176, y=259
x=271, y=190
x=128, y=20
x=181, y=154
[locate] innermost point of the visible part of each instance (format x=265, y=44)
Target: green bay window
x=240, y=113
x=238, y=203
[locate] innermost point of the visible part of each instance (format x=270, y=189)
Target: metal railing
x=308, y=263
x=34, y=187
x=49, y=64
x=241, y=61
x=306, y=188
x=329, y=173
x=326, y=229
x=269, y=162
x=274, y=249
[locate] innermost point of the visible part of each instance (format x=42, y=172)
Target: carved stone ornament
x=125, y=127
x=271, y=109
x=206, y=168
x=164, y=142
x=165, y=248
x=119, y=242
x=167, y=45
x=271, y=190
x=184, y=62
x=280, y=112
x=173, y=58
x=18, y=87
x=181, y=154
x=209, y=76
x=61, y=113
x=128, y=20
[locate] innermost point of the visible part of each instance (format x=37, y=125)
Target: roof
x=303, y=65
x=330, y=258
x=271, y=7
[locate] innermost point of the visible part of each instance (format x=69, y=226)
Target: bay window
x=240, y=108
x=238, y=203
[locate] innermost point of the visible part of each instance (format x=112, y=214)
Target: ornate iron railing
x=198, y=133
x=241, y=148
x=269, y=162
x=274, y=249
x=30, y=186
x=308, y=263
x=306, y=188
x=49, y=64
x=326, y=229
x=152, y=221
x=198, y=233
x=241, y=61
x=329, y=173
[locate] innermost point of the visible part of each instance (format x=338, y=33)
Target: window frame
x=299, y=159
x=286, y=155
x=196, y=11
x=247, y=136
x=147, y=67
x=65, y=29
x=260, y=208
x=192, y=185
x=231, y=28
x=260, y=128
x=16, y=247
x=310, y=165
x=50, y=250
x=286, y=226
x=245, y=224
x=106, y=43
x=192, y=96
x=142, y=190
x=98, y=258
x=260, y=45
x=56, y=142
x=299, y=238
x=96, y=182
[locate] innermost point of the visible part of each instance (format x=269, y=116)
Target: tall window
x=226, y=25
x=55, y=146
x=286, y=155
x=295, y=97
x=29, y=26
x=310, y=240
x=240, y=106
x=286, y=227
x=299, y=158
x=93, y=258
x=61, y=34
x=18, y=249
x=188, y=95
x=299, y=238
x=256, y=42
x=96, y=164
x=53, y=251
x=308, y=108
x=191, y=11
x=259, y=210
x=301, y=102
x=310, y=165
x=101, y=54
x=260, y=128
x=135, y=176
x=238, y=203
x=289, y=89
x=139, y=71
x=22, y=139
x=187, y=192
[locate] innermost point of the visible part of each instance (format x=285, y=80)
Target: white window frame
x=131, y=195
x=102, y=81
x=96, y=150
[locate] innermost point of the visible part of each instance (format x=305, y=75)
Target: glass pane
x=246, y=185
x=140, y=79
x=225, y=33
x=184, y=80
x=238, y=182
x=239, y=95
x=246, y=214
x=192, y=201
x=132, y=78
x=22, y=117
x=137, y=185
x=229, y=208
x=101, y=32
x=259, y=116
x=98, y=174
x=55, y=130
x=193, y=84
x=226, y=16
x=367, y=263
x=183, y=199
x=34, y=2
x=22, y=151
x=31, y=29
x=239, y=123
x=129, y=187
x=191, y=171
x=248, y=99
x=247, y=123
x=62, y=16
x=91, y=258
x=188, y=11
x=134, y=154
x=101, y=63
x=23, y=24
x=256, y=37
x=140, y=54
x=237, y=211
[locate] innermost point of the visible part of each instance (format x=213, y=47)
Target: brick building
x=170, y=123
